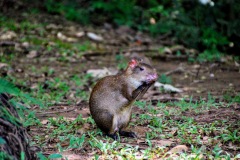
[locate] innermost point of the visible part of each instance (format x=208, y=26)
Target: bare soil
x=195, y=79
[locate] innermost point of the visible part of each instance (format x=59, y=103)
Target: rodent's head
x=140, y=73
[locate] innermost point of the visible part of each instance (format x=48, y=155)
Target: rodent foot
x=128, y=134
x=113, y=136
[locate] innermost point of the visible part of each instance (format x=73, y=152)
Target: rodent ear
x=133, y=63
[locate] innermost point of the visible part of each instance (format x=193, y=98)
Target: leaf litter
x=68, y=52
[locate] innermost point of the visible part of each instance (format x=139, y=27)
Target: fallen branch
x=171, y=99
x=54, y=112
x=15, y=136
x=180, y=69
x=7, y=43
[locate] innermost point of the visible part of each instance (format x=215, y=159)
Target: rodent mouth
x=151, y=78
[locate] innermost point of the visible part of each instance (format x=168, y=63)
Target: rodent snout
x=152, y=77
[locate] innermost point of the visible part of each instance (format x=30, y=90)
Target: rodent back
x=108, y=94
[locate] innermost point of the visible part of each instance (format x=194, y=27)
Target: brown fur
x=112, y=97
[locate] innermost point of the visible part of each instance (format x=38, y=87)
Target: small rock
x=61, y=36
x=125, y=30
x=25, y=44
x=161, y=143
x=2, y=65
x=237, y=64
x=231, y=44
x=195, y=156
x=19, y=70
x=80, y=34
x=167, y=87
x=32, y=54
x=52, y=27
x=167, y=50
x=152, y=20
x=18, y=47
x=203, y=78
x=94, y=37
x=51, y=43
x=205, y=140
x=72, y=28
x=44, y=122
x=70, y=39
x=179, y=149
x=196, y=66
x=99, y=73
x=107, y=26
x=211, y=75
x=70, y=156
x=9, y=35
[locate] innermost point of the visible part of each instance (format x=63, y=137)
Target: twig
x=179, y=69
x=91, y=54
x=6, y=123
x=7, y=43
x=54, y=112
x=19, y=142
x=198, y=71
x=143, y=146
x=171, y=99
x=4, y=101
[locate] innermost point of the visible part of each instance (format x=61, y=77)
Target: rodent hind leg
x=108, y=124
x=113, y=136
x=114, y=129
x=127, y=134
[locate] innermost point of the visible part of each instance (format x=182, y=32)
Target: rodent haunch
x=112, y=97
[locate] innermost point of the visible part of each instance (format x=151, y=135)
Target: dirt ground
x=196, y=80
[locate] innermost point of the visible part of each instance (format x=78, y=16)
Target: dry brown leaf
x=161, y=143
x=8, y=35
x=178, y=149
x=45, y=121
x=94, y=37
x=70, y=156
x=141, y=141
x=3, y=65
x=32, y=54
x=79, y=34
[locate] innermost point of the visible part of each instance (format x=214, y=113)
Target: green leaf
x=22, y=156
x=2, y=141
x=55, y=155
x=7, y=87
x=41, y=156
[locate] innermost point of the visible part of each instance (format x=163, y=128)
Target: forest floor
x=50, y=58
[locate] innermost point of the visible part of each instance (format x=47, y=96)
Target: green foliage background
x=193, y=24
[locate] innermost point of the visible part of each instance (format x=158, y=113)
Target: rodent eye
x=141, y=68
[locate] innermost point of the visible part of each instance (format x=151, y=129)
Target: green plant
x=165, y=79
x=231, y=98
x=51, y=156
x=68, y=9
x=231, y=136
x=192, y=24
x=121, y=61
x=4, y=155
x=76, y=142
x=7, y=87
x=7, y=24
x=102, y=146
x=210, y=55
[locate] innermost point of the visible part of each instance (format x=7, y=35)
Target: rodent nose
x=155, y=76
x=152, y=77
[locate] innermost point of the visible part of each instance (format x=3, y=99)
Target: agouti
x=112, y=97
